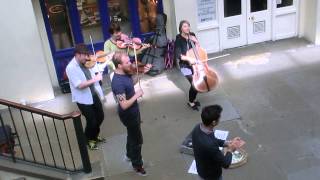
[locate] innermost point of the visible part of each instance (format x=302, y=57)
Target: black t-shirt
x=123, y=84
x=209, y=159
x=181, y=46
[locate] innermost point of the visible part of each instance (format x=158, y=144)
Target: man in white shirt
x=86, y=92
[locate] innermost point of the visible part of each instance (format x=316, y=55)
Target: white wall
x=45, y=43
x=317, y=31
x=308, y=19
x=23, y=70
x=168, y=9
x=207, y=34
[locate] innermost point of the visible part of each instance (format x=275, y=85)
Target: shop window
x=232, y=8
x=259, y=5
x=59, y=23
x=90, y=20
x=284, y=3
x=147, y=15
x=206, y=10
x=119, y=12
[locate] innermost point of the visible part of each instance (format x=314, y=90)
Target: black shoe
x=140, y=171
x=197, y=103
x=194, y=107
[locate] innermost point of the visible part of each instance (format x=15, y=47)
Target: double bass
x=204, y=78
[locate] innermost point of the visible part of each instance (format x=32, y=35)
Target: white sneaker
x=126, y=158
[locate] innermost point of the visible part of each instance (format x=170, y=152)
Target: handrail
x=39, y=111
x=38, y=137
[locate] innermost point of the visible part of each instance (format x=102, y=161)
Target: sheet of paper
x=219, y=134
x=193, y=168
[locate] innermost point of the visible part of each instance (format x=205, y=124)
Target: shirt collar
x=205, y=130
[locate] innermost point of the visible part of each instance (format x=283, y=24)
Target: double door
x=245, y=22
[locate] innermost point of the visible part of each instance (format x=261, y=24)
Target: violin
x=100, y=57
x=140, y=69
x=126, y=42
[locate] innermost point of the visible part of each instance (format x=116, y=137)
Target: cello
x=204, y=78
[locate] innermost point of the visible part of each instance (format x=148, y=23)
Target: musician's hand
x=194, y=39
x=139, y=93
x=238, y=142
x=145, y=46
x=187, y=58
x=231, y=147
x=147, y=68
x=97, y=77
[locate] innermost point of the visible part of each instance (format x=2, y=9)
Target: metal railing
x=44, y=138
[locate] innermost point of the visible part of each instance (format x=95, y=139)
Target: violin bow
x=94, y=53
x=136, y=61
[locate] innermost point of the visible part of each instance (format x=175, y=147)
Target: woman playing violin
x=182, y=45
x=119, y=41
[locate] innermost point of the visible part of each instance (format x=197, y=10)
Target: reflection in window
x=59, y=23
x=147, y=15
x=119, y=12
x=90, y=20
x=259, y=5
x=232, y=8
x=284, y=3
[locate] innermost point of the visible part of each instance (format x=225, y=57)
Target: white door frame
x=226, y=24
x=275, y=14
x=259, y=24
x=279, y=13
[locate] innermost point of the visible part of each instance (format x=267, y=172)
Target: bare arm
x=124, y=103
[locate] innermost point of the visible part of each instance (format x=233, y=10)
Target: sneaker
x=197, y=103
x=140, y=171
x=126, y=158
x=93, y=145
x=193, y=106
x=101, y=139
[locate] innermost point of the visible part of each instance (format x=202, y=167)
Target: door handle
x=251, y=18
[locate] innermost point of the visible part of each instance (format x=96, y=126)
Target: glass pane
x=147, y=14
x=206, y=10
x=284, y=3
x=232, y=8
x=259, y=5
x=90, y=20
x=119, y=12
x=59, y=23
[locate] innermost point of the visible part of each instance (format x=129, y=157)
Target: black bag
x=156, y=54
x=65, y=87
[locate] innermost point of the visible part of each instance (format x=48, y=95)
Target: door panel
x=258, y=21
x=234, y=23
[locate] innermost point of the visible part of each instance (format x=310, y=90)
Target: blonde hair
x=117, y=58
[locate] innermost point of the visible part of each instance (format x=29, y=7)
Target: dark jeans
x=94, y=117
x=192, y=91
x=134, y=138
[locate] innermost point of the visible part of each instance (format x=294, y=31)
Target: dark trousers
x=192, y=91
x=94, y=117
x=134, y=138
